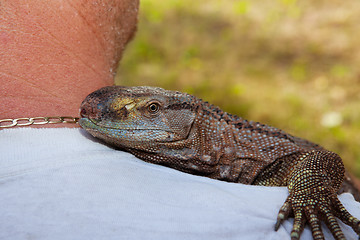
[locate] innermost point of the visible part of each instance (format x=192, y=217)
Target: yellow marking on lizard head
x=123, y=102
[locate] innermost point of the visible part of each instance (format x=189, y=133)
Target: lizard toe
x=299, y=224
x=283, y=213
x=314, y=223
x=332, y=223
x=341, y=213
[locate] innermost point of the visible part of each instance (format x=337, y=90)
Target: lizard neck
x=221, y=145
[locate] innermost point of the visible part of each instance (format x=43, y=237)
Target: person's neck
x=38, y=98
x=46, y=69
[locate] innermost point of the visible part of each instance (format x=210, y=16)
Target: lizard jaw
x=126, y=134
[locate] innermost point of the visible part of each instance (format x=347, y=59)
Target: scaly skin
x=180, y=131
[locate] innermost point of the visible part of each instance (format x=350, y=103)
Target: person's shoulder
x=53, y=179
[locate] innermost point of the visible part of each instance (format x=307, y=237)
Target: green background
x=290, y=64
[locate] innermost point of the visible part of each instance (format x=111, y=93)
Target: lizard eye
x=153, y=107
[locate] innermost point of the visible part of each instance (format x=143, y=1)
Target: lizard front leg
x=312, y=185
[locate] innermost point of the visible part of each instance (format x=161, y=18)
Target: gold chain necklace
x=8, y=123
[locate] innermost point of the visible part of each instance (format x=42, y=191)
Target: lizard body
x=181, y=131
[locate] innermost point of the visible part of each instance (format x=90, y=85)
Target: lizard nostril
x=83, y=112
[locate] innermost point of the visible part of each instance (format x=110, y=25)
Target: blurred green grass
x=290, y=64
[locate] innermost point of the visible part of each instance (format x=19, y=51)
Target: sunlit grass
x=291, y=64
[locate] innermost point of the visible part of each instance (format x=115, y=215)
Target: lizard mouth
x=135, y=134
x=88, y=123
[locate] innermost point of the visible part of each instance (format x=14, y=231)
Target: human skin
x=54, y=53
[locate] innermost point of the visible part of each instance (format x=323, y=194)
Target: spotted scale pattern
x=183, y=132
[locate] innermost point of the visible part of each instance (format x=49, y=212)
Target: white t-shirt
x=63, y=184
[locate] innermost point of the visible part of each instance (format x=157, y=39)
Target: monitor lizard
x=180, y=131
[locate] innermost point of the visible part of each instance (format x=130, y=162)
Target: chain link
x=8, y=123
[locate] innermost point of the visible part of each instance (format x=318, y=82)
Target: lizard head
x=135, y=117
